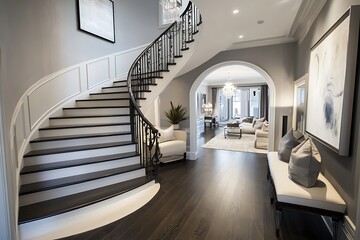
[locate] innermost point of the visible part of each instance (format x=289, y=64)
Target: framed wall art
x=97, y=18
x=331, y=83
x=299, y=111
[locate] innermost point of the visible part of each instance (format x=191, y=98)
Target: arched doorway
x=199, y=80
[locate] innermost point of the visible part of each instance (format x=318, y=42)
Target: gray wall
x=45, y=38
x=40, y=37
x=4, y=204
x=342, y=171
x=276, y=60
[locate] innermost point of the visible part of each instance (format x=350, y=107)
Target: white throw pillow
x=166, y=134
x=258, y=120
x=265, y=126
x=258, y=124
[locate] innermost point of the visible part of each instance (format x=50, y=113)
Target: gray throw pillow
x=286, y=144
x=304, y=165
x=247, y=119
x=299, y=137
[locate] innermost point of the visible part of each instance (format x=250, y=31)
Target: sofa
x=172, y=144
x=251, y=124
x=261, y=139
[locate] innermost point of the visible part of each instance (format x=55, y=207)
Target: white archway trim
x=193, y=129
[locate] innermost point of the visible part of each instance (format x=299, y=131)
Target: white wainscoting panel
x=124, y=60
x=47, y=96
x=54, y=91
x=20, y=130
x=98, y=72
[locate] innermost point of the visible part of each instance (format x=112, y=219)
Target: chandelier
x=171, y=9
x=229, y=90
x=169, y=4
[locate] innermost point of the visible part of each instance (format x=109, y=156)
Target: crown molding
x=262, y=42
x=308, y=11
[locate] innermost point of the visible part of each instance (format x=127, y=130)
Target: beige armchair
x=172, y=145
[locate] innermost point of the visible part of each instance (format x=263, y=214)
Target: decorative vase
x=176, y=126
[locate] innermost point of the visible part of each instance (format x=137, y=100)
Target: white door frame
x=193, y=123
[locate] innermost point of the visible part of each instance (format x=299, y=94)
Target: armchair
x=172, y=145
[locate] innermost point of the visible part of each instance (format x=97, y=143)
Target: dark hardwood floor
x=222, y=195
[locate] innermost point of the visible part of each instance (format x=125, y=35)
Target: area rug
x=233, y=143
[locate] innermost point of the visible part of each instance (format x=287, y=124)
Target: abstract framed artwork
x=331, y=83
x=97, y=18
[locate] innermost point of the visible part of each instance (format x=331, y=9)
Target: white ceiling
x=284, y=21
x=238, y=75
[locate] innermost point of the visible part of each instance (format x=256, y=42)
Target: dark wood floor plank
x=222, y=195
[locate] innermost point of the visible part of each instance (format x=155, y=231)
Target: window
x=245, y=102
x=254, y=102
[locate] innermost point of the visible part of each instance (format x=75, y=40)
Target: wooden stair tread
x=110, y=93
x=134, y=84
x=78, y=136
x=91, y=116
x=54, y=127
x=78, y=162
x=76, y=108
x=120, y=81
x=103, y=99
x=57, y=206
x=75, y=148
x=66, y=181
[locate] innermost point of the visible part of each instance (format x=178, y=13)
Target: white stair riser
x=79, y=142
x=83, y=130
x=90, y=120
x=120, y=83
x=116, y=89
x=51, y=158
x=77, y=188
x=103, y=103
x=78, y=170
x=110, y=96
x=96, y=111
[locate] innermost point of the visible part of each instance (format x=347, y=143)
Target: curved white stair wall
x=44, y=99
x=90, y=217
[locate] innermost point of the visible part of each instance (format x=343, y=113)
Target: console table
x=211, y=120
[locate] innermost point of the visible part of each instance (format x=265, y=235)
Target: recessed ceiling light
x=241, y=36
x=260, y=22
x=236, y=11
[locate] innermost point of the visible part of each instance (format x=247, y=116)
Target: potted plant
x=176, y=114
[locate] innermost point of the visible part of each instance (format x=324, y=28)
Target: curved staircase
x=102, y=151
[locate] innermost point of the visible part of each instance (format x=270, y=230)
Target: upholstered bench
x=321, y=199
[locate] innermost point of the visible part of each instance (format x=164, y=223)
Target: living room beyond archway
x=231, y=92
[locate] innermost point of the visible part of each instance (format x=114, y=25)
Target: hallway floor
x=222, y=195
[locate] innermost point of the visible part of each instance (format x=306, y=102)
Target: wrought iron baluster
x=145, y=68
